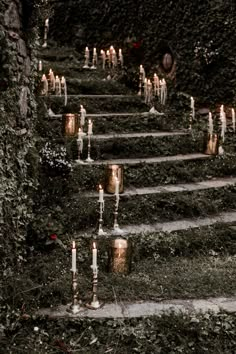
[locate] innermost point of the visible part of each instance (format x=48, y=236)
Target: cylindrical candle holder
x=75, y=306
x=211, y=144
x=70, y=124
x=113, y=171
x=120, y=256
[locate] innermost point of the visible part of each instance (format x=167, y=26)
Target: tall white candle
x=233, y=119
x=73, y=268
x=47, y=22
x=101, y=194
x=121, y=59
x=82, y=115
x=95, y=252
x=210, y=127
x=117, y=183
x=192, y=107
x=103, y=55
x=86, y=52
x=90, y=127
x=40, y=65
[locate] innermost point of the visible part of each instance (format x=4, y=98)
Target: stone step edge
x=171, y=188
x=94, y=96
x=97, y=115
x=150, y=160
x=228, y=217
x=146, y=308
x=156, y=134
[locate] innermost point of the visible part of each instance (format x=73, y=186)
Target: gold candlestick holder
x=140, y=85
x=100, y=222
x=116, y=228
x=75, y=306
x=80, y=150
x=95, y=303
x=89, y=149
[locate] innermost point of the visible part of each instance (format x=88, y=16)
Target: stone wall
x=17, y=114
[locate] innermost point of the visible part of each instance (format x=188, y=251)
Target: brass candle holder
x=113, y=171
x=95, y=303
x=70, y=124
x=211, y=144
x=120, y=256
x=100, y=221
x=75, y=306
x=89, y=149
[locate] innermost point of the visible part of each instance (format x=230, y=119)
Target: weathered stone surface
x=12, y=18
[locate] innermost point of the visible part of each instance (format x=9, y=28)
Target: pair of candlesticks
x=95, y=304
x=116, y=229
x=80, y=143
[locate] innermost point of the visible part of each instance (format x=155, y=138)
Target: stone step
x=111, y=123
x=152, y=160
x=96, y=103
x=146, y=308
x=155, y=171
x=140, y=145
x=95, y=86
x=154, y=205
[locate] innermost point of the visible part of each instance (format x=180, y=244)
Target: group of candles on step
x=149, y=88
x=53, y=84
x=109, y=58
x=223, y=119
x=81, y=134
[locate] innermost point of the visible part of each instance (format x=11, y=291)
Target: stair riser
x=93, y=87
x=97, y=104
x=147, y=175
x=138, y=147
x=114, y=125
x=153, y=207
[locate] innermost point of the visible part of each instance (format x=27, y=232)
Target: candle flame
x=73, y=244
x=94, y=245
x=100, y=186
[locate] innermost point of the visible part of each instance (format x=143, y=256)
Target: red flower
x=137, y=45
x=53, y=237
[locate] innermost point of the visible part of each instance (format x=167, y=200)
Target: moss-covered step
x=154, y=171
x=95, y=87
x=117, y=123
x=140, y=145
x=155, y=204
x=97, y=103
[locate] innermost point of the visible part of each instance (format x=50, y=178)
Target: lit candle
x=101, y=194
x=117, y=183
x=210, y=128
x=64, y=88
x=57, y=86
x=73, y=257
x=223, y=122
x=95, y=252
x=47, y=22
x=82, y=115
x=40, y=65
x=90, y=127
x=86, y=52
x=233, y=119
x=156, y=85
x=121, y=60
x=45, y=85
x=103, y=55
x=52, y=80
x=192, y=107
x=108, y=58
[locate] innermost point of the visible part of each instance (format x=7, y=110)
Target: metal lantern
x=211, y=144
x=113, y=171
x=167, y=62
x=120, y=256
x=70, y=124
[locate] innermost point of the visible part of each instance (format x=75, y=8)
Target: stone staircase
x=169, y=184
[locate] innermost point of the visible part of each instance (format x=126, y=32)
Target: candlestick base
x=74, y=309
x=101, y=232
x=118, y=231
x=82, y=133
x=85, y=67
x=81, y=162
x=44, y=45
x=93, y=67
x=95, y=305
x=89, y=159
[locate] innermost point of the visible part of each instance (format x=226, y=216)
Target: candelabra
x=89, y=149
x=95, y=303
x=100, y=221
x=74, y=307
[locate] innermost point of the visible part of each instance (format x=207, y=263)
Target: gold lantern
x=211, y=144
x=70, y=124
x=120, y=256
x=113, y=172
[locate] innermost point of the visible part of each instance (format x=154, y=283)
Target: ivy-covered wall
x=199, y=34
x=17, y=114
